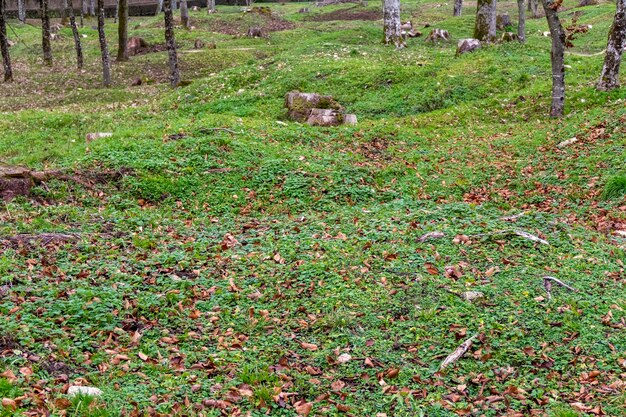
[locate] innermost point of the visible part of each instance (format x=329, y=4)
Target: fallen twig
x=458, y=353
x=519, y=233
x=44, y=238
x=222, y=129
x=512, y=217
x=431, y=235
x=547, y=284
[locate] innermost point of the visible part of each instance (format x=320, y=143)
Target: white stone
x=80, y=390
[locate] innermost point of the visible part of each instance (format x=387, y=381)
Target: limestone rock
x=467, y=45
x=79, y=390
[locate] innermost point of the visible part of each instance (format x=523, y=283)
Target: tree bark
x=485, y=28
x=21, y=10
x=557, y=56
x=609, y=77
x=92, y=8
x=170, y=41
x=45, y=33
x=77, y=45
x=521, y=21
x=104, y=49
x=117, y=11
x=4, y=44
x=122, y=31
x=391, y=19
x=458, y=8
x=82, y=13
x=184, y=14
x=174, y=5
x=533, y=6
x=159, y=7
x=63, y=12
x=210, y=5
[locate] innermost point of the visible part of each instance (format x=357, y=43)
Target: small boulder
x=303, y=10
x=198, y=44
x=195, y=8
x=508, y=37
x=502, y=21
x=349, y=119
x=300, y=105
x=136, y=82
x=438, y=35
x=467, y=45
x=74, y=390
x=324, y=117
x=211, y=45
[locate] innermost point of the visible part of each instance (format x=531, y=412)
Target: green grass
x=225, y=271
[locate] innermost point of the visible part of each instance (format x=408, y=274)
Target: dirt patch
x=375, y=150
x=348, y=14
x=240, y=26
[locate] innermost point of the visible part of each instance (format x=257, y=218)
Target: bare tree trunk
x=104, y=49
x=82, y=13
x=92, y=8
x=184, y=14
x=159, y=7
x=21, y=10
x=458, y=8
x=609, y=78
x=391, y=19
x=63, y=12
x=210, y=5
x=521, y=21
x=45, y=33
x=557, y=57
x=117, y=11
x=170, y=40
x=122, y=32
x=77, y=45
x=4, y=44
x=533, y=6
x=485, y=28
x=174, y=5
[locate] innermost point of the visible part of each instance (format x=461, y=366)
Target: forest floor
x=227, y=261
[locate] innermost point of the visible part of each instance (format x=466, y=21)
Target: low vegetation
x=218, y=259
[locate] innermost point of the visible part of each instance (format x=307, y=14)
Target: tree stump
x=467, y=45
x=438, y=35
x=14, y=181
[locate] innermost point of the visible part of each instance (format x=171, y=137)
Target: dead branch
x=519, y=233
x=43, y=238
x=458, y=353
x=547, y=284
x=431, y=235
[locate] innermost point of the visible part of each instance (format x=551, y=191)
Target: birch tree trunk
x=210, y=5
x=485, y=28
x=104, y=49
x=609, y=78
x=4, y=44
x=557, y=56
x=521, y=21
x=458, y=8
x=184, y=14
x=77, y=45
x=45, y=33
x=391, y=21
x=122, y=32
x=21, y=10
x=170, y=41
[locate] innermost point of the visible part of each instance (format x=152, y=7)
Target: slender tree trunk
x=63, y=12
x=391, y=19
x=45, y=33
x=117, y=11
x=210, y=5
x=174, y=5
x=184, y=14
x=104, y=49
x=122, y=32
x=521, y=22
x=92, y=8
x=458, y=8
x=609, y=78
x=170, y=40
x=21, y=10
x=533, y=6
x=82, y=13
x=485, y=28
x=159, y=7
x=4, y=44
x=77, y=45
x=557, y=57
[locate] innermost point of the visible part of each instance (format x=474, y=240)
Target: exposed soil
x=348, y=14
x=240, y=26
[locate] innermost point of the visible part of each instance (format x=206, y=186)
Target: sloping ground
x=244, y=264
